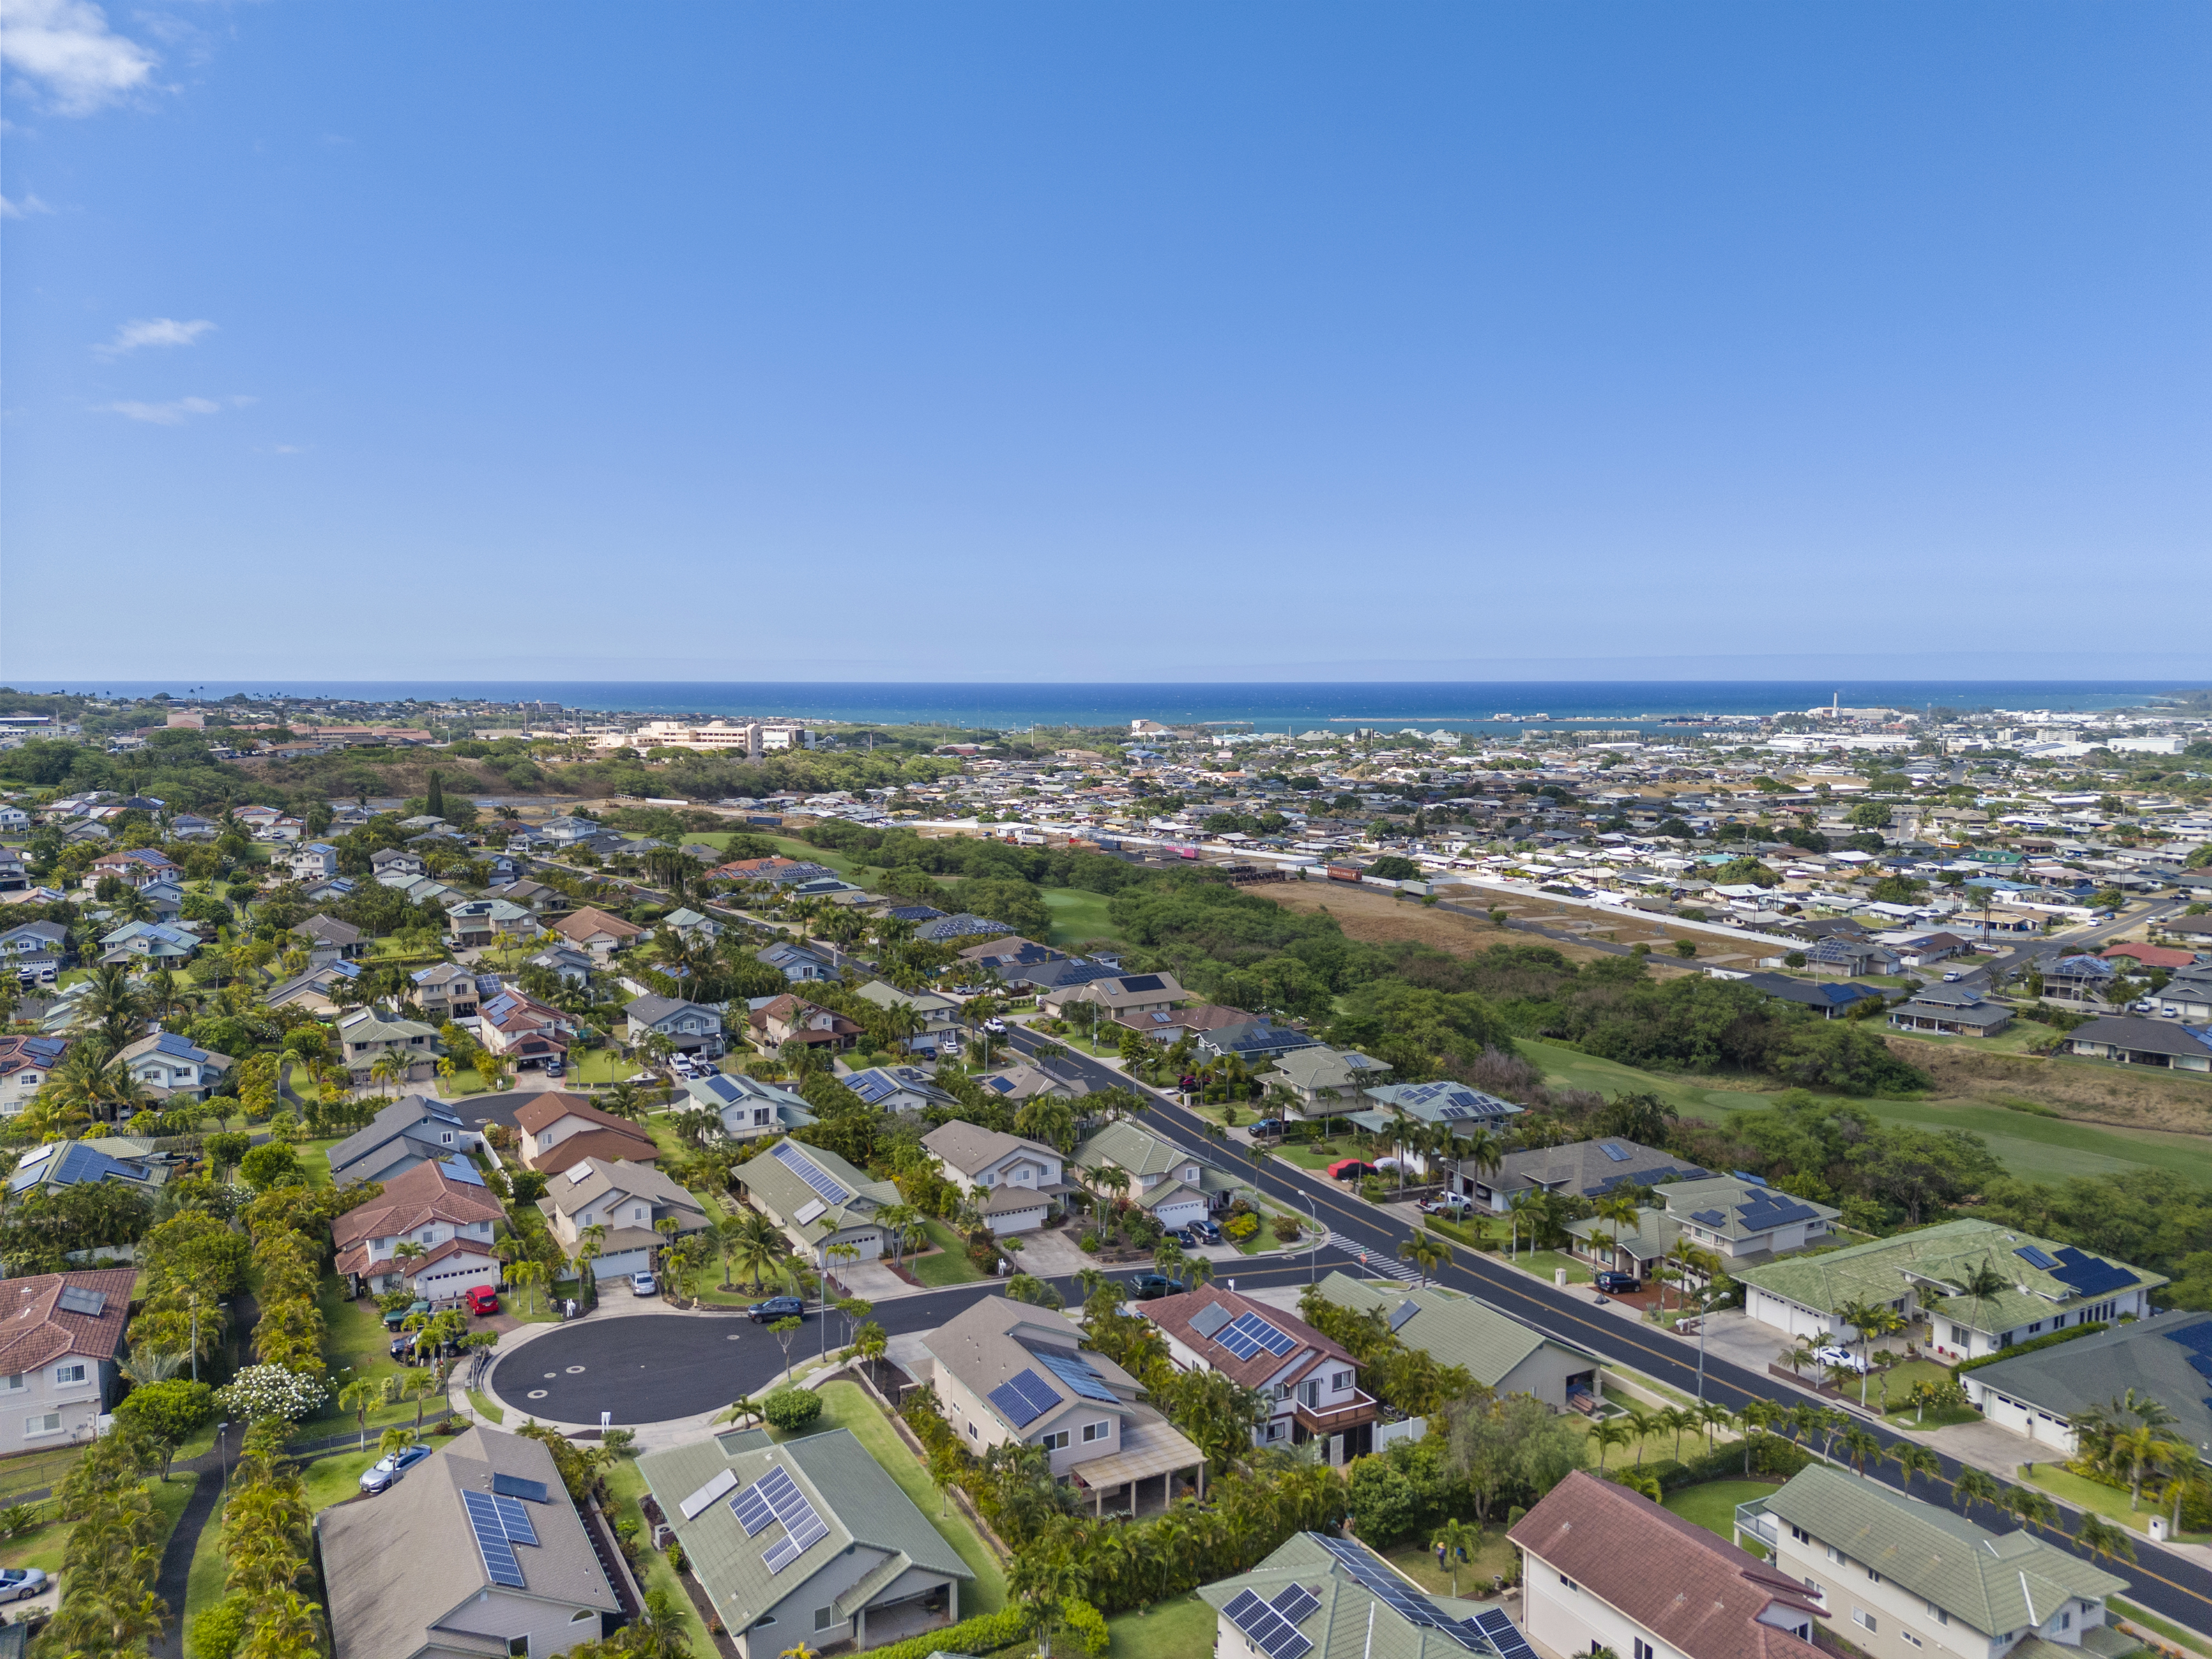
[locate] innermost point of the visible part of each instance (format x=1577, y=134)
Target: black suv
x=1145, y=1287
x=1617, y=1284
x=776, y=1307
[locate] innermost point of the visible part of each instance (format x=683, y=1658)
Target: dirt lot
x=1369, y=914
x=2137, y=1098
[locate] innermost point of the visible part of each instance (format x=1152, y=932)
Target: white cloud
x=170, y=414
x=22, y=209
x=151, y=331
x=66, y=47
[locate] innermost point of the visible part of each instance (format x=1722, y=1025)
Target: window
x=517, y=1647
x=1938, y=1615
x=2066, y=1619
x=1813, y=1585
x=1864, y=1620
x=971, y=1431
x=1341, y=1381
x=2036, y=1327
x=1566, y=1583
x=1909, y=1637
x=1097, y=1431
x=49, y=1424
x=10, y=1384
x=824, y=1618
x=1835, y=1555
x=74, y=1373
x=578, y=1618
x=1798, y=1534
x=1643, y=1650
x=1873, y=1578
x=1055, y=1442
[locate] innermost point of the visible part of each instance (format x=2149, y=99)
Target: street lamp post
x=223, y=1450
x=1313, y=1256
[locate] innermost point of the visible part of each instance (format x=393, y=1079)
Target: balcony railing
x=1753, y=1518
x=1334, y=1420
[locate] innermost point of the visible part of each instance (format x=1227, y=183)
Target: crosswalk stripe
x=1374, y=1262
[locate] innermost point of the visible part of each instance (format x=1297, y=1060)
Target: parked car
x=995, y=1026
x=1951, y=976
x=776, y=1307
x=644, y=1284
x=393, y=1321
x=21, y=1583
x=1618, y=1283
x=1184, y=1236
x=1266, y=1127
x=1207, y=1232
x=1445, y=1204
x=1835, y=1355
x=1350, y=1168
x=1147, y=1287
x=483, y=1301
x=554, y=1068
x=385, y=1470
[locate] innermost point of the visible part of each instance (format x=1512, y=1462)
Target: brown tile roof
x=34, y=1331
x=1174, y=1313
x=605, y=1145
x=425, y=1193
x=553, y=1105
x=1699, y=1595
x=580, y=925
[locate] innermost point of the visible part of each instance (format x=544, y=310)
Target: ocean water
x=1453, y=705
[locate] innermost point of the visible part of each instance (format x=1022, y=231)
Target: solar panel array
x=809, y=1171
x=515, y=1519
x=1210, y=1318
x=778, y=1495
x=1076, y=1371
x=514, y=1485
x=2197, y=1343
x=695, y=1505
x=77, y=1300
x=1614, y=1150
x=2036, y=1258
x=494, y=1541
x=1265, y=1629
x=1376, y=1577
x=1502, y=1634
x=1144, y=982
x=1248, y=1335
x=1023, y=1398
x=2085, y=1275
x=1762, y=1210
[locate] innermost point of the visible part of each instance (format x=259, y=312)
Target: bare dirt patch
x=1372, y=916
x=2134, y=1098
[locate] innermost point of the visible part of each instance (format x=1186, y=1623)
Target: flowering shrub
x=261, y=1392
x=1241, y=1226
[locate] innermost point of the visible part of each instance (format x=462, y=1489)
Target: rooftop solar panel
x=515, y=1519
x=1076, y=1371
x=1740, y=1174
x=752, y=1510
x=810, y=1172
x=1144, y=982
x=1267, y=1631
x=1023, y=1398
x=1404, y=1311
x=500, y=1564
x=2036, y=1258
x=1297, y=1603
x=1614, y=1150
x=695, y=1505
x=1503, y=1635
x=1210, y=1318
x=1375, y=1576
x=2085, y=1275
x=76, y=1300
x=1249, y=1335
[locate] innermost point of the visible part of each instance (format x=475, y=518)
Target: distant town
x=506, y=1179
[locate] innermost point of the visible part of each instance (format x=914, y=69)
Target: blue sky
x=1088, y=342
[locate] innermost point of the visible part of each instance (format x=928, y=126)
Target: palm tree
x=1757, y=1418
x=2030, y=1507
x=1425, y=1251
x=1620, y=1208
x=1530, y=1204
x=2103, y=1540
x=1859, y=1446
x=759, y=1245
x=1975, y=1487
x=2142, y=1450
x=1712, y=1414
x=1646, y=1423
x=1912, y=1458
x=1677, y=1420
x=1608, y=1434
x=361, y=1396
x=1455, y=1541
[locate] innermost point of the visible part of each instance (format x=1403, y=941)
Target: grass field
x=1492, y=1556
x=950, y=1264
x=847, y=1406
x=625, y=1486
x=1077, y=915
x=2033, y=1148
x=1712, y=1506
x=1172, y=1630
x=2107, y=1501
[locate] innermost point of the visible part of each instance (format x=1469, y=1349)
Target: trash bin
x=1559, y=1277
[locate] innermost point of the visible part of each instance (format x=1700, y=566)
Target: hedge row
x=2029, y=1346
x=984, y=1635
x=1770, y=1454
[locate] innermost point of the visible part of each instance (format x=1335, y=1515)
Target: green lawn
x=1492, y=1556
x=2172, y=1633
x=485, y=1409
x=625, y=1486
x=1712, y=1503
x=847, y=1406
x=356, y=1344
x=35, y=1470
x=2107, y=1501
x=2033, y=1148
x=1545, y=1263
x=949, y=1263
x=1077, y=915
x=1171, y=1629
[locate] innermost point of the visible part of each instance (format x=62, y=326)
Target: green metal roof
x=1456, y=1330
x=1351, y=1622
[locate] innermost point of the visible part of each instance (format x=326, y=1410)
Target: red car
x=484, y=1300
x=1350, y=1168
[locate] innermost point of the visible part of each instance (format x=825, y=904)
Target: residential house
x=788, y=1018
x=319, y=991
x=1604, y=1567
x=26, y=1063
x=313, y=861
x=443, y=1215
x=1174, y=1184
x=1012, y=1181
x=1168, y=1024
x=1004, y=951
x=1950, y=1011
x=1114, y=995
x=1401, y=1106
x=1495, y=1349
x=534, y=897
x=1924, y=1276
x=966, y=925
x=573, y=967
x=1007, y=1372
x=1850, y=957
x=1926, y=950
x=148, y=944
x=939, y=1014
x=1739, y=1219
x=525, y=1030
x=479, y=1550
x=365, y=1036
x=1322, y=1596
x=173, y=1067
x=35, y=950
x=479, y=924
x=744, y=1107
x=629, y=1200
x=796, y=962
x=2040, y=1393
x=1047, y=978
x=446, y=991
x=58, y=1356
x=559, y=1131
x=414, y=1129
x=567, y=832
x=691, y=926
x=2079, y=979
x=135, y=868
x=391, y=862
x=592, y=929
x=1898, y=1577
x=1830, y=999
x=2187, y=995
x=1318, y=1082
x=331, y=941
x=818, y=1199
x=1310, y=1382
x=1582, y=1169
x=690, y=1028
x=804, y=1544
x=1021, y=1082
x=15, y=874
x=58, y=1163
x=2132, y=1041
x=897, y=1089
